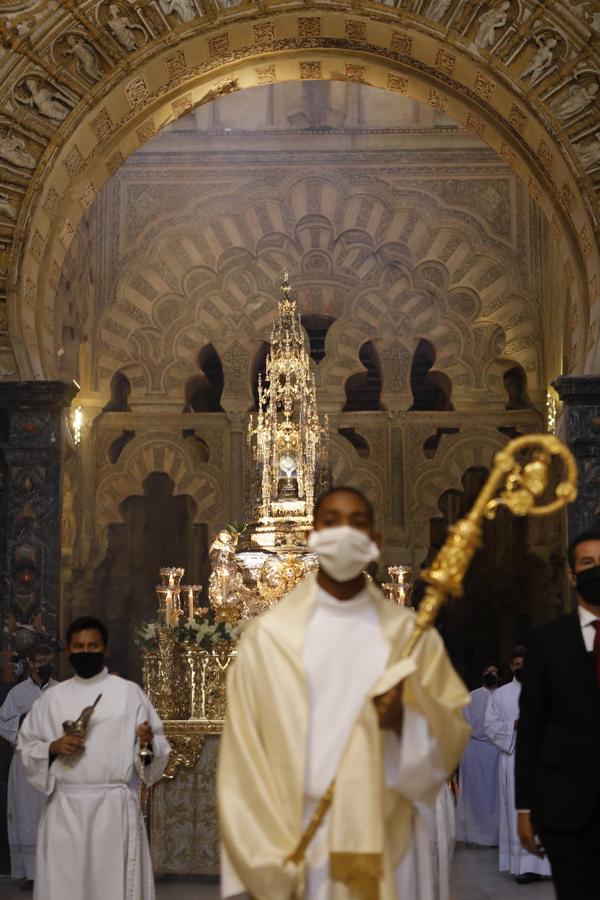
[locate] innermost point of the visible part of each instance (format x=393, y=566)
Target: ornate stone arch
x=456, y=453
x=157, y=451
x=348, y=469
x=437, y=57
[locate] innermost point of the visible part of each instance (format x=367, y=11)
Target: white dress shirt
x=587, y=619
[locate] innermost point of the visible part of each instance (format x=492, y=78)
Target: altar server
x=477, y=814
x=319, y=691
x=92, y=842
x=501, y=723
x=24, y=803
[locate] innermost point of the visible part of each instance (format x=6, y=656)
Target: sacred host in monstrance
x=319, y=691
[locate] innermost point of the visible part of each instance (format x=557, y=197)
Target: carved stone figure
x=542, y=59
x=122, y=29
x=43, y=100
x=438, y=9
x=12, y=149
x=578, y=98
x=489, y=23
x=85, y=56
x=589, y=153
x=6, y=208
x=184, y=9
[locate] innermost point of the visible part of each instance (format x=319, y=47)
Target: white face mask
x=343, y=551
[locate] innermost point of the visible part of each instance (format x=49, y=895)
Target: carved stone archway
x=476, y=82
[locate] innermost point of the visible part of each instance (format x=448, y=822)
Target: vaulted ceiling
x=83, y=84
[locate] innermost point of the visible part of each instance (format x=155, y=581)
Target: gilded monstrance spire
x=287, y=441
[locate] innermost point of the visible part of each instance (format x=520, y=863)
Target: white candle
x=191, y=605
x=171, y=581
x=169, y=608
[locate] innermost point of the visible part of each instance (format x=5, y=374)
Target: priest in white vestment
x=478, y=809
x=92, y=842
x=24, y=803
x=319, y=690
x=501, y=723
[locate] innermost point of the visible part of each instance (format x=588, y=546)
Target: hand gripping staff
x=515, y=483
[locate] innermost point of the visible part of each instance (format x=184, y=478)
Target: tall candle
x=169, y=608
x=191, y=605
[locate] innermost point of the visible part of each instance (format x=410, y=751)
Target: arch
x=157, y=452
x=390, y=48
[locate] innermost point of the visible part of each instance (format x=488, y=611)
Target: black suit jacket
x=557, y=767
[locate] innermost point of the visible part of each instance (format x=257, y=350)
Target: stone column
x=580, y=429
x=238, y=423
x=32, y=416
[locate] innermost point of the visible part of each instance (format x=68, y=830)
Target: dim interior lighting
x=77, y=423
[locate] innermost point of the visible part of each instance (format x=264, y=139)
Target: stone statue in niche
x=12, y=149
x=489, y=23
x=44, y=101
x=541, y=60
x=579, y=97
x=122, y=29
x=589, y=153
x=438, y=9
x=183, y=9
x=85, y=57
x=6, y=207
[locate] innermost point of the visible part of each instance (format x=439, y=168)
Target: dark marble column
x=32, y=416
x=581, y=431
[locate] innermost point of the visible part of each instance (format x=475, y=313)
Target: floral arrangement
x=203, y=630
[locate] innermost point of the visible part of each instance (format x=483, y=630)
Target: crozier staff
x=24, y=804
x=92, y=842
x=319, y=690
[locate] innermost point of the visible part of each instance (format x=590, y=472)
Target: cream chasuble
x=92, y=842
x=299, y=711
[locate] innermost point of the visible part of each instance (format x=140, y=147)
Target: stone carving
x=578, y=98
x=123, y=30
x=183, y=9
x=438, y=9
x=541, y=60
x=590, y=152
x=12, y=149
x=80, y=50
x=489, y=23
x=6, y=207
x=44, y=100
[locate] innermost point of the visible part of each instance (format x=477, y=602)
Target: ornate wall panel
x=85, y=83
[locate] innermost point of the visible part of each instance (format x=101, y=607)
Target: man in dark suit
x=558, y=735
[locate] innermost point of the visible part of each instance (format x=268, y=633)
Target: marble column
x=581, y=431
x=32, y=419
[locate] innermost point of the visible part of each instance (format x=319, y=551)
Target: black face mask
x=588, y=585
x=490, y=680
x=87, y=665
x=45, y=672
x=518, y=673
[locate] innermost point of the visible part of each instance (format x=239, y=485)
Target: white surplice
x=24, y=804
x=345, y=653
x=92, y=842
x=478, y=810
x=501, y=715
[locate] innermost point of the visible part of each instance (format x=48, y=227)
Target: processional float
x=189, y=649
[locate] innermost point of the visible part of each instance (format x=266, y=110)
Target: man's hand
x=390, y=709
x=67, y=745
x=527, y=835
x=145, y=733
